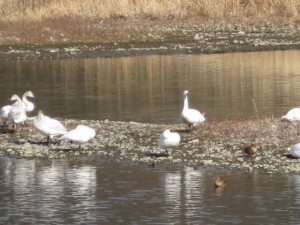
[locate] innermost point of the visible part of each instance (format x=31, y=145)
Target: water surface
x=98, y=192
x=149, y=88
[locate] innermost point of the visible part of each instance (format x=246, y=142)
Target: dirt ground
x=141, y=36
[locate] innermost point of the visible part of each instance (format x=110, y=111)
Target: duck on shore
x=250, y=150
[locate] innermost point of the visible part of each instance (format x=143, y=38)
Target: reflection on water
x=94, y=192
x=149, y=88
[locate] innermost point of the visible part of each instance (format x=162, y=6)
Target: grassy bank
x=149, y=23
x=37, y=10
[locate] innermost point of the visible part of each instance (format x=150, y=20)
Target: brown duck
x=251, y=150
x=219, y=182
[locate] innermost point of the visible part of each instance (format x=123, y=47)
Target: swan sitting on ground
x=79, y=135
x=294, y=150
x=292, y=115
x=17, y=113
x=191, y=117
x=168, y=139
x=48, y=126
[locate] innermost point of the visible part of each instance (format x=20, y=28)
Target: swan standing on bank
x=81, y=134
x=168, y=139
x=17, y=113
x=292, y=115
x=4, y=113
x=27, y=105
x=48, y=126
x=191, y=117
x=294, y=150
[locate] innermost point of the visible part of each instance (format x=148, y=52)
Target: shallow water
x=149, y=89
x=98, y=192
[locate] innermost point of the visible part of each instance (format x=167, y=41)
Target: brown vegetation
x=213, y=9
x=65, y=21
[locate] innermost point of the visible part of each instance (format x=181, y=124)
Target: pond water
x=149, y=89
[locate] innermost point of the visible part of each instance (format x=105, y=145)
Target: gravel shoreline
x=167, y=37
x=212, y=144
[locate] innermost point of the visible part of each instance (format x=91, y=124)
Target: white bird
x=4, y=113
x=48, y=126
x=168, y=139
x=292, y=115
x=79, y=135
x=294, y=150
x=17, y=113
x=191, y=117
x=27, y=105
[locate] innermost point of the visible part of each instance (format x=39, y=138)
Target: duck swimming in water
x=219, y=182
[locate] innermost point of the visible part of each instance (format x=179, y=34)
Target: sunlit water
x=149, y=89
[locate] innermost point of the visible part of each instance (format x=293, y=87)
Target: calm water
x=149, y=89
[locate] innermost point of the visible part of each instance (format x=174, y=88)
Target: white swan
x=168, y=139
x=191, y=117
x=79, y=135
x=48, y=126
x=17, y=113
x=294, y=150
x=4, y=113
x=292, y=115
x=27, y=105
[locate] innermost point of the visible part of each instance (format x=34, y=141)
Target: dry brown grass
x=35, y=10
x=101, y=21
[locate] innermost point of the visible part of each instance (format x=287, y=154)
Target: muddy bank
x=212, y=144
x=130, y=38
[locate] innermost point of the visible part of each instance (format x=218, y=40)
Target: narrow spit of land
x=212, y=144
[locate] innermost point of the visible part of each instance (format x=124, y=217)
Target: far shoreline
x=155, y=38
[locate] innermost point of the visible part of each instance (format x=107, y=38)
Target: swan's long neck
x=24, y=100
x=185, y=102
x=19, y=101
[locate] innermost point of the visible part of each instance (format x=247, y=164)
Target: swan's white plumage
x=27, y=105
x=17, y=113
x=48, y=126
x=292, y=115
x=168, y=139
x=4, y=113
x=294, y=150
x=80, y=134
x=192, y=117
